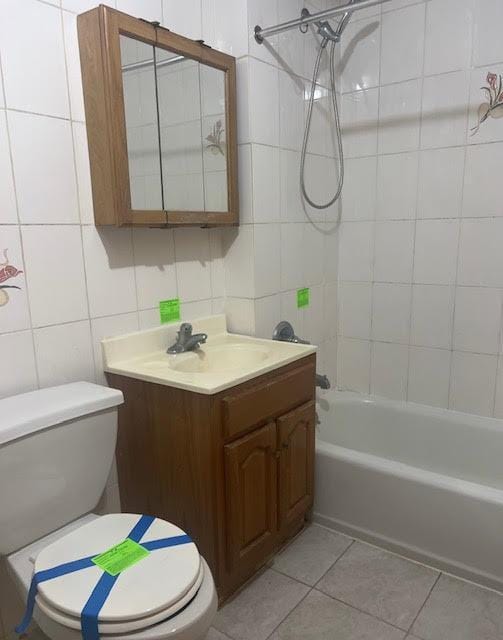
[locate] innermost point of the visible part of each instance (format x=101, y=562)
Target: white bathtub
x=424, y=482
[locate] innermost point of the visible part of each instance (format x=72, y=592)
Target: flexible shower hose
x=308, y=128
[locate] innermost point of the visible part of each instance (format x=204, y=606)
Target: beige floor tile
x=379, y=583
x=213, y=634
x=255, y=612
x=457, y=610
x=311, y=554
x=319, y=617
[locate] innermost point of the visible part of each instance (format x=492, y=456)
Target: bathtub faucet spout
x=322, y=381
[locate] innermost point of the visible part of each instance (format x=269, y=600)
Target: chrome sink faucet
x=186, y=340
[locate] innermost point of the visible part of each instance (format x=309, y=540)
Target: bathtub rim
x=415, y=408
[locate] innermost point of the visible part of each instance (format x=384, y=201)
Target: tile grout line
x=78, y=196
x=416, y=208
x=409, y=630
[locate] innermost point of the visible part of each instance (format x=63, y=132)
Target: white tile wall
x=80, y=284
x=413, y=264
x=422, y=210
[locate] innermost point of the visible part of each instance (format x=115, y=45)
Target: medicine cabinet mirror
x=161, y=124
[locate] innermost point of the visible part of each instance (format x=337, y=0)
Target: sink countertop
x=225, y=360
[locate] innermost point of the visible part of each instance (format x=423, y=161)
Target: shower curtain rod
x=261, y=33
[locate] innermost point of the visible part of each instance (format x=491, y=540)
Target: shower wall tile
x=477, y=320
x=444, y=110
x=391, y=312
x=356, y=251
x=359, y=112
x=480, y=255
x=393, y=251
x=482, y=188
x=421, y=211
x=225, y=26
x=448, y=49
x=399, y=117
x=397, y=186
x=440, y=188
x=292, y=90
x=7, y=195
x=263, y=102
x=498, y=401
x=353, y=365
x=266, y=183
x=359, y=55
x=264, y=13
x=266, y=258
x=359, y=192
x=432, y=316
x=436, y=249
x=402, y=44
x=473, y=381
x=488, y=16
x=429, y=372
x=389, y=370
x=291, y=205
x=291, y=45
x=355, y=309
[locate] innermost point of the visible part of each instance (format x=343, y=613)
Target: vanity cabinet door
x=251, y=496
x=296, y=445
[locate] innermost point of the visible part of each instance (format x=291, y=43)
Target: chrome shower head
x=344, y=22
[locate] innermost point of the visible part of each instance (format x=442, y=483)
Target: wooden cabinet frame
x=99, y=43
x=182, y=456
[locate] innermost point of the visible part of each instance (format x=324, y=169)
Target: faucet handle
x=185, y=330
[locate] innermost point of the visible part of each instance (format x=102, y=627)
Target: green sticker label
x=169, y=310
x=121, y=557
x=302, y=298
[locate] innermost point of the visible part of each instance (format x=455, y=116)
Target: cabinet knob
x=285, y=445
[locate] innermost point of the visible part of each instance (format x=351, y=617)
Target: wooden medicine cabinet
x=161, y=124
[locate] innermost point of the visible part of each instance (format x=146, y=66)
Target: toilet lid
x=157, y=585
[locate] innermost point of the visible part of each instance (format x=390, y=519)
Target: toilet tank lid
x=29, y=412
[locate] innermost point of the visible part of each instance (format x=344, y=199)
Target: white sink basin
x=226, y=359
x=213, y=359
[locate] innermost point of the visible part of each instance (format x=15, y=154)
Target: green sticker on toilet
x=120, y=557
x=302, y=298
x=169, y=310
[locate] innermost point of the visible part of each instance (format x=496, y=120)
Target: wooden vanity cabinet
x=234, y=469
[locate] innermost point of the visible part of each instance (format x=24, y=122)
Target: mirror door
x=172, y=123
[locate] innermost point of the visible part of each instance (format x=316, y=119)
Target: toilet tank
x=56, y=450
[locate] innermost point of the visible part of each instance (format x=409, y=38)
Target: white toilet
x=56, y=450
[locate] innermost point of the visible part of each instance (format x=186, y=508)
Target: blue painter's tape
x=100, y=593
x=49, y=574
x=92, y=608
x=162, y=543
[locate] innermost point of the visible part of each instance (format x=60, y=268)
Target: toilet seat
x=115, y=628
x=152, y=590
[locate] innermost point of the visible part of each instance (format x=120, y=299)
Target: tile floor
x=325, y=586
